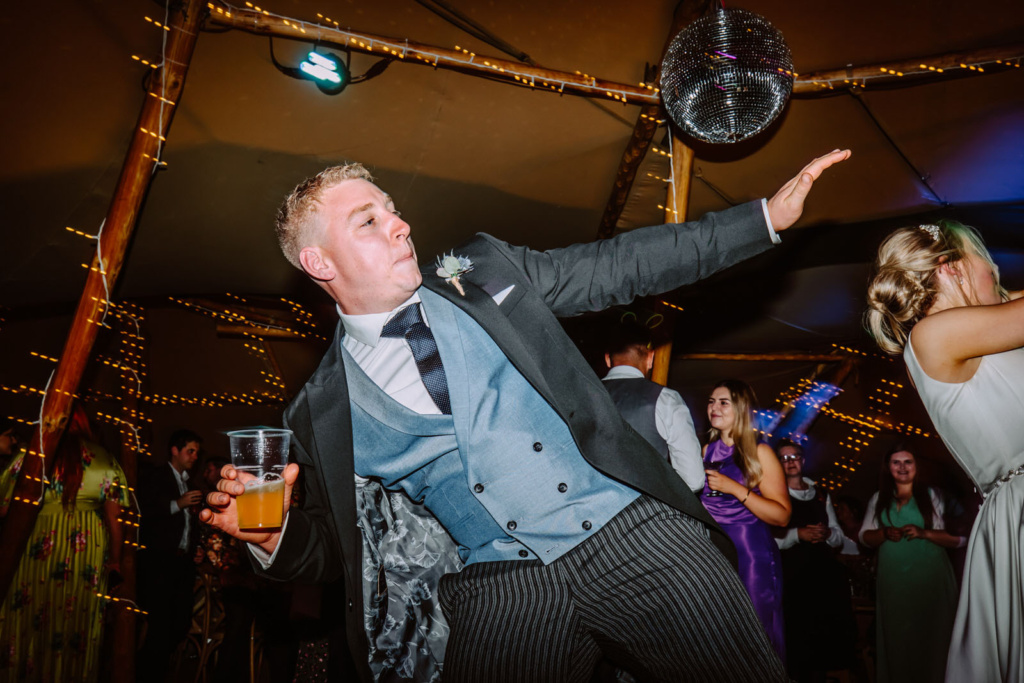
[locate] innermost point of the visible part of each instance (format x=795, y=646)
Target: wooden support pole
x=165, y=89
x=636, y=149
x=644, y=130
x=676, y=205
x=678, y=199
x=679, y=191
x=662, y=360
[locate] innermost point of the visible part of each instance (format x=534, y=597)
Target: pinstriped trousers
x=649, y=591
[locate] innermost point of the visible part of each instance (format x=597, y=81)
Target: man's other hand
x=786, y=207
x=223, y=508
x=189, y=498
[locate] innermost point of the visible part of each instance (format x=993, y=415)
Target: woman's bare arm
x=772, y=506
x=948, y=343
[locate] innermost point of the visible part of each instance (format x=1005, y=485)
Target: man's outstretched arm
x=595, y=275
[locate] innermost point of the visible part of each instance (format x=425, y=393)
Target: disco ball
x=726, y=76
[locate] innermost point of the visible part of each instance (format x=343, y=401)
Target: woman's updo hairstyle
x=904, y=285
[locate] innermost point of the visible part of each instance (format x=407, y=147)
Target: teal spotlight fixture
x=330, y=75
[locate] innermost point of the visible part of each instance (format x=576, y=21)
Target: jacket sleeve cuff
x=768, y=221
x=262, y=556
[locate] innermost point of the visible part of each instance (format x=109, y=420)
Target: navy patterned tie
x=408, y=324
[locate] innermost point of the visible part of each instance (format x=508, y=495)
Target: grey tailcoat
x=322, y=541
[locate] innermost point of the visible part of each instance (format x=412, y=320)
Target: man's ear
x=315, y=265
x=650, y=360
x=174, y=451
x=608, y=360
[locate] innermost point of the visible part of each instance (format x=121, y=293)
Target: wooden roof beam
x=907, y=72
x=911, y=72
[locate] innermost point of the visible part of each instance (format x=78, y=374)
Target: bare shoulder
x=766, y=455
x=950, y=344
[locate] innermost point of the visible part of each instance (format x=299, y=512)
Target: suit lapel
x=331, y=436
x=328, y=389
x=481, y=307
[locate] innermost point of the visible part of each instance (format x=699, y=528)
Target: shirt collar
x=808, y=492
x=624, y=372
x=366, y=328
x=180, y=476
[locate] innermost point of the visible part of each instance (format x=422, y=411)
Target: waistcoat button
x=587, y=525
x=562, y=488
x=511, y=526
x=479, y=488
x=538, y=446
x=523, y=553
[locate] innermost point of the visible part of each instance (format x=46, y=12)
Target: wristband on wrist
x=744, y=501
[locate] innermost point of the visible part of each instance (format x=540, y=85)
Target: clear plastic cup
x=260, y=455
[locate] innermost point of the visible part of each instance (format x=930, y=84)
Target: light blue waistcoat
x=502, y=473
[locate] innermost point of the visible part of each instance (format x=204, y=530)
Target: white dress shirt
x=181, y=478
x=389, y=363
x=835, y=532
x=675, y=425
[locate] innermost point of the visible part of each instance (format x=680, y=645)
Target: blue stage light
x=329, y=74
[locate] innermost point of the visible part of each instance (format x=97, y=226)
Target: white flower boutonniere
x=451, y=267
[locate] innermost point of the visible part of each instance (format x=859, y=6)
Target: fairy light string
x=325, y=29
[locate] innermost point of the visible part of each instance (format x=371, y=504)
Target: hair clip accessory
x=933, y=230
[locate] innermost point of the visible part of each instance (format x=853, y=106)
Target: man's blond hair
x=298, y=218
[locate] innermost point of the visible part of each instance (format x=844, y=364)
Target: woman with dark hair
x=745, y=492
x=51, y=622
x=936, y=298
x=916, y=590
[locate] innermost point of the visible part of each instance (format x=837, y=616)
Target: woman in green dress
x=51, y=620
x=916, y=589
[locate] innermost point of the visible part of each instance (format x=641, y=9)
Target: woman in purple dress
x=745, y=492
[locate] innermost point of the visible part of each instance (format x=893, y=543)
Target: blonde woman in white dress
x=936, y=298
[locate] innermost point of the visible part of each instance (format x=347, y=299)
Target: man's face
x=183, y=458
x=362, y=255
x=8, y=442
x=792, y=461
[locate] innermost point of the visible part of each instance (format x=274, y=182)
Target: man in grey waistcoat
x=657, y=413
x=452, y=424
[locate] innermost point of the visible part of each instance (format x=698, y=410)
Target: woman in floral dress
x=51, y=619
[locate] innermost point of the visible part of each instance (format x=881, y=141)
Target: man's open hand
x=787, y=205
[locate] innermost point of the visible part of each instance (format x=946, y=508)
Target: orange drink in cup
x=260, y=455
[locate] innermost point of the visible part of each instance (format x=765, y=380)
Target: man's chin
x=415, y=278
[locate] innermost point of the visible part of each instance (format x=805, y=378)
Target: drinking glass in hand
x=715, y=466
x=260, y=456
